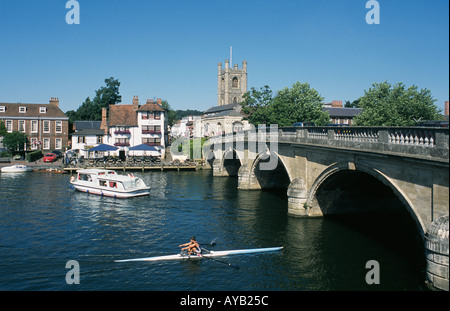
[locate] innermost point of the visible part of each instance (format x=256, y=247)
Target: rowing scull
x=210, y=254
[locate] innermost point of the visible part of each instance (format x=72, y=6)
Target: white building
x=126, y=126
x=183, y=128
x=131, y=125
x=87, y=135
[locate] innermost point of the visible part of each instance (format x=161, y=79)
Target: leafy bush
x=34, y=156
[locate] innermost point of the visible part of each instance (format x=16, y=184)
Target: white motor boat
x=109, y=183
x=16, y=168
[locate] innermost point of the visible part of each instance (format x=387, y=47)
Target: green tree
x=171, y=114
x=256, y=105
x=107, y=95
x=91, y=110
x=301, y=103
x=353, y=104
x=3, y=130
x=397, y=105
x=15, y=141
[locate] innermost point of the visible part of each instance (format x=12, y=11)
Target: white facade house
x=87, y=135
x=126, y=126
x=131, y=125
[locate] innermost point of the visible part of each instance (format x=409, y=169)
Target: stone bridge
x=336, y=170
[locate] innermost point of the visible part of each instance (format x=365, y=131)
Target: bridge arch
x=231, y=162
x=367, y=175
x=272, y=177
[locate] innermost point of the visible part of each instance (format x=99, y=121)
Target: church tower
x=231, y=83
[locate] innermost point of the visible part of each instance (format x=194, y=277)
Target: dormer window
x=22, y=109
x=42, y=109
x=2, y=108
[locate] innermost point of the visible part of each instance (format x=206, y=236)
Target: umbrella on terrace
x=145, y=148
x=103, y=148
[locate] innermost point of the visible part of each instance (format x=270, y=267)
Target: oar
x=225, y=262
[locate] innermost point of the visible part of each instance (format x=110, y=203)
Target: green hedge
x=35, y=155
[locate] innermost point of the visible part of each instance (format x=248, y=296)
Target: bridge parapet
x=411, y=141
x=419, y=142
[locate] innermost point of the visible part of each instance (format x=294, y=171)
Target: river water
x=44, y=224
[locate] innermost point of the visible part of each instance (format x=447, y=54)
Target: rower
x=192, y=247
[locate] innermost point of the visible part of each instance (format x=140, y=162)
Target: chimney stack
x=54, y=101
x=336, y=104
x=158, y=101
x=135, y=103
x=446, y=108
x=104, y=124
x=149, y=101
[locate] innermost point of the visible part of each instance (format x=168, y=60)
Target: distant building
x=227, y=116
x=223, y=119
x=339, y=114
x=45, y=125
x=183, y=127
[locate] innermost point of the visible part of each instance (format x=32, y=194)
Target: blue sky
x=170, y=49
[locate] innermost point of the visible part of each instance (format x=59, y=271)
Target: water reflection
x=45, y=224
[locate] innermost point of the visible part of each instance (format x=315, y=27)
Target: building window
x=46, y=145
x=81, y=139
x=235, y=83
x=122, y=142
x=151, y=129
x=34, y=143
x=22, y=126
x=22, y=109
x=147, y=115
x=122, y=130
x=58, y=143
x=9, y=126
x=152, y=141
x=2, y=108
x=34, y=126
x=42, y=109
x=58, y=126
x=46, y=126
x=237, y=126
x=99, y=139
x=157, y=115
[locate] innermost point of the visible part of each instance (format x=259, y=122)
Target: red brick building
x=45, y=125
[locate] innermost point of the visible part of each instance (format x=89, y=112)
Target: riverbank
x=38, y=165
x=59, y=167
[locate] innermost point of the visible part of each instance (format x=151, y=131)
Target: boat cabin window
x=112, y=184
x=102, y=183
x=85, y=177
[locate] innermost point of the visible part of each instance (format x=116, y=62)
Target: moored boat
x=16, y=168
x=109, y=183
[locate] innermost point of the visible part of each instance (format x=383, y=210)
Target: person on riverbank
x=192, y=247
